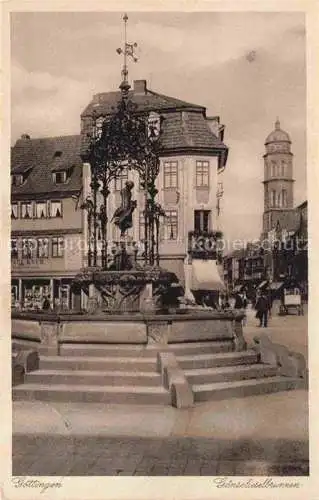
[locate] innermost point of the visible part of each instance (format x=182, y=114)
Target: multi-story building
x=234, y=269
x=46, y=222
x=280, y=254
x=50, y=182
x=283, y=223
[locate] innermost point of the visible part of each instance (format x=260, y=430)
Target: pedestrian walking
x=262, y=308
x=238, y=301
x=245, y=304
x=46, y=304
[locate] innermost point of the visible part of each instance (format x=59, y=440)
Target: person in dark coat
x=46, y=304
x=238, y=302
x=262, y=308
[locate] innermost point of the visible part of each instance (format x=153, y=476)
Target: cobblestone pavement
x=104, y=456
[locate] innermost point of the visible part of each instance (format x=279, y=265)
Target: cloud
x=45, y=105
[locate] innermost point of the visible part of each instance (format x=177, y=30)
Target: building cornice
x=49, y=195
x=275, y=179
x=45, y=232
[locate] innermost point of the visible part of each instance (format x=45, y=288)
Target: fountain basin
x=49, y=330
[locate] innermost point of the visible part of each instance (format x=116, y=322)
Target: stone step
x=243, y=388
x=229, y=373
x=91, y=394
x=93, y=377
x=188, y=348
x=214, y=360
x=134, y=364
x=133, y=350
x=108, y=350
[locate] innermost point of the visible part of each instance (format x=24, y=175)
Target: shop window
x=202, y=173
x=14, y=211
x=202, y=220
x=26, y=210
x=170, y=175
x=41, y=209
x=43, y=248
x=57, y=247
x=56, y=208
x=171, y=224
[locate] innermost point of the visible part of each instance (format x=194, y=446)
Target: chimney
x=139, y=87
x=25, y=137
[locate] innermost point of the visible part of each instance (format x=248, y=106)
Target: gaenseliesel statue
x=123, y=215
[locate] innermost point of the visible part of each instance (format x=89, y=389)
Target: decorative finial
x=277, y=124
x=128, y=50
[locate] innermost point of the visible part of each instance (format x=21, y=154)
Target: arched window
x=283, y=168
x=273, y=198
x=284, y=198
x=273, y=168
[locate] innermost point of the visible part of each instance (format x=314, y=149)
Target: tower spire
x=277, y=124
x=127, y=50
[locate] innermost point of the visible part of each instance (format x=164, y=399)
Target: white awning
x=275, y=285
x=205, y=276
x=262, y=285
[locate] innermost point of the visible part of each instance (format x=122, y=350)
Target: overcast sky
x=248, y=68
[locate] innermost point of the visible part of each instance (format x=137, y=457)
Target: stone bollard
x=18, y=371
x=290, y=364
x=174, y=380
x=28, y=359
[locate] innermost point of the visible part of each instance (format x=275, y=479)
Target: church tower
x=278, y=177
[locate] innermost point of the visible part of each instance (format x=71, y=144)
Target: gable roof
x=38, y=157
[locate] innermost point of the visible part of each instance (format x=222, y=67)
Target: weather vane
x=128, y=50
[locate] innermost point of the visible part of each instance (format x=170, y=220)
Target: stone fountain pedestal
x=128, y=291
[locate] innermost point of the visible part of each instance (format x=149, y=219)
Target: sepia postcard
x=159, y=338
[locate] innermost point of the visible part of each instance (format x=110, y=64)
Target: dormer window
x=59, y=177
x=17, y=180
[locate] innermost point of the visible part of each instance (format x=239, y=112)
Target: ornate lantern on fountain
x=127, y=139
